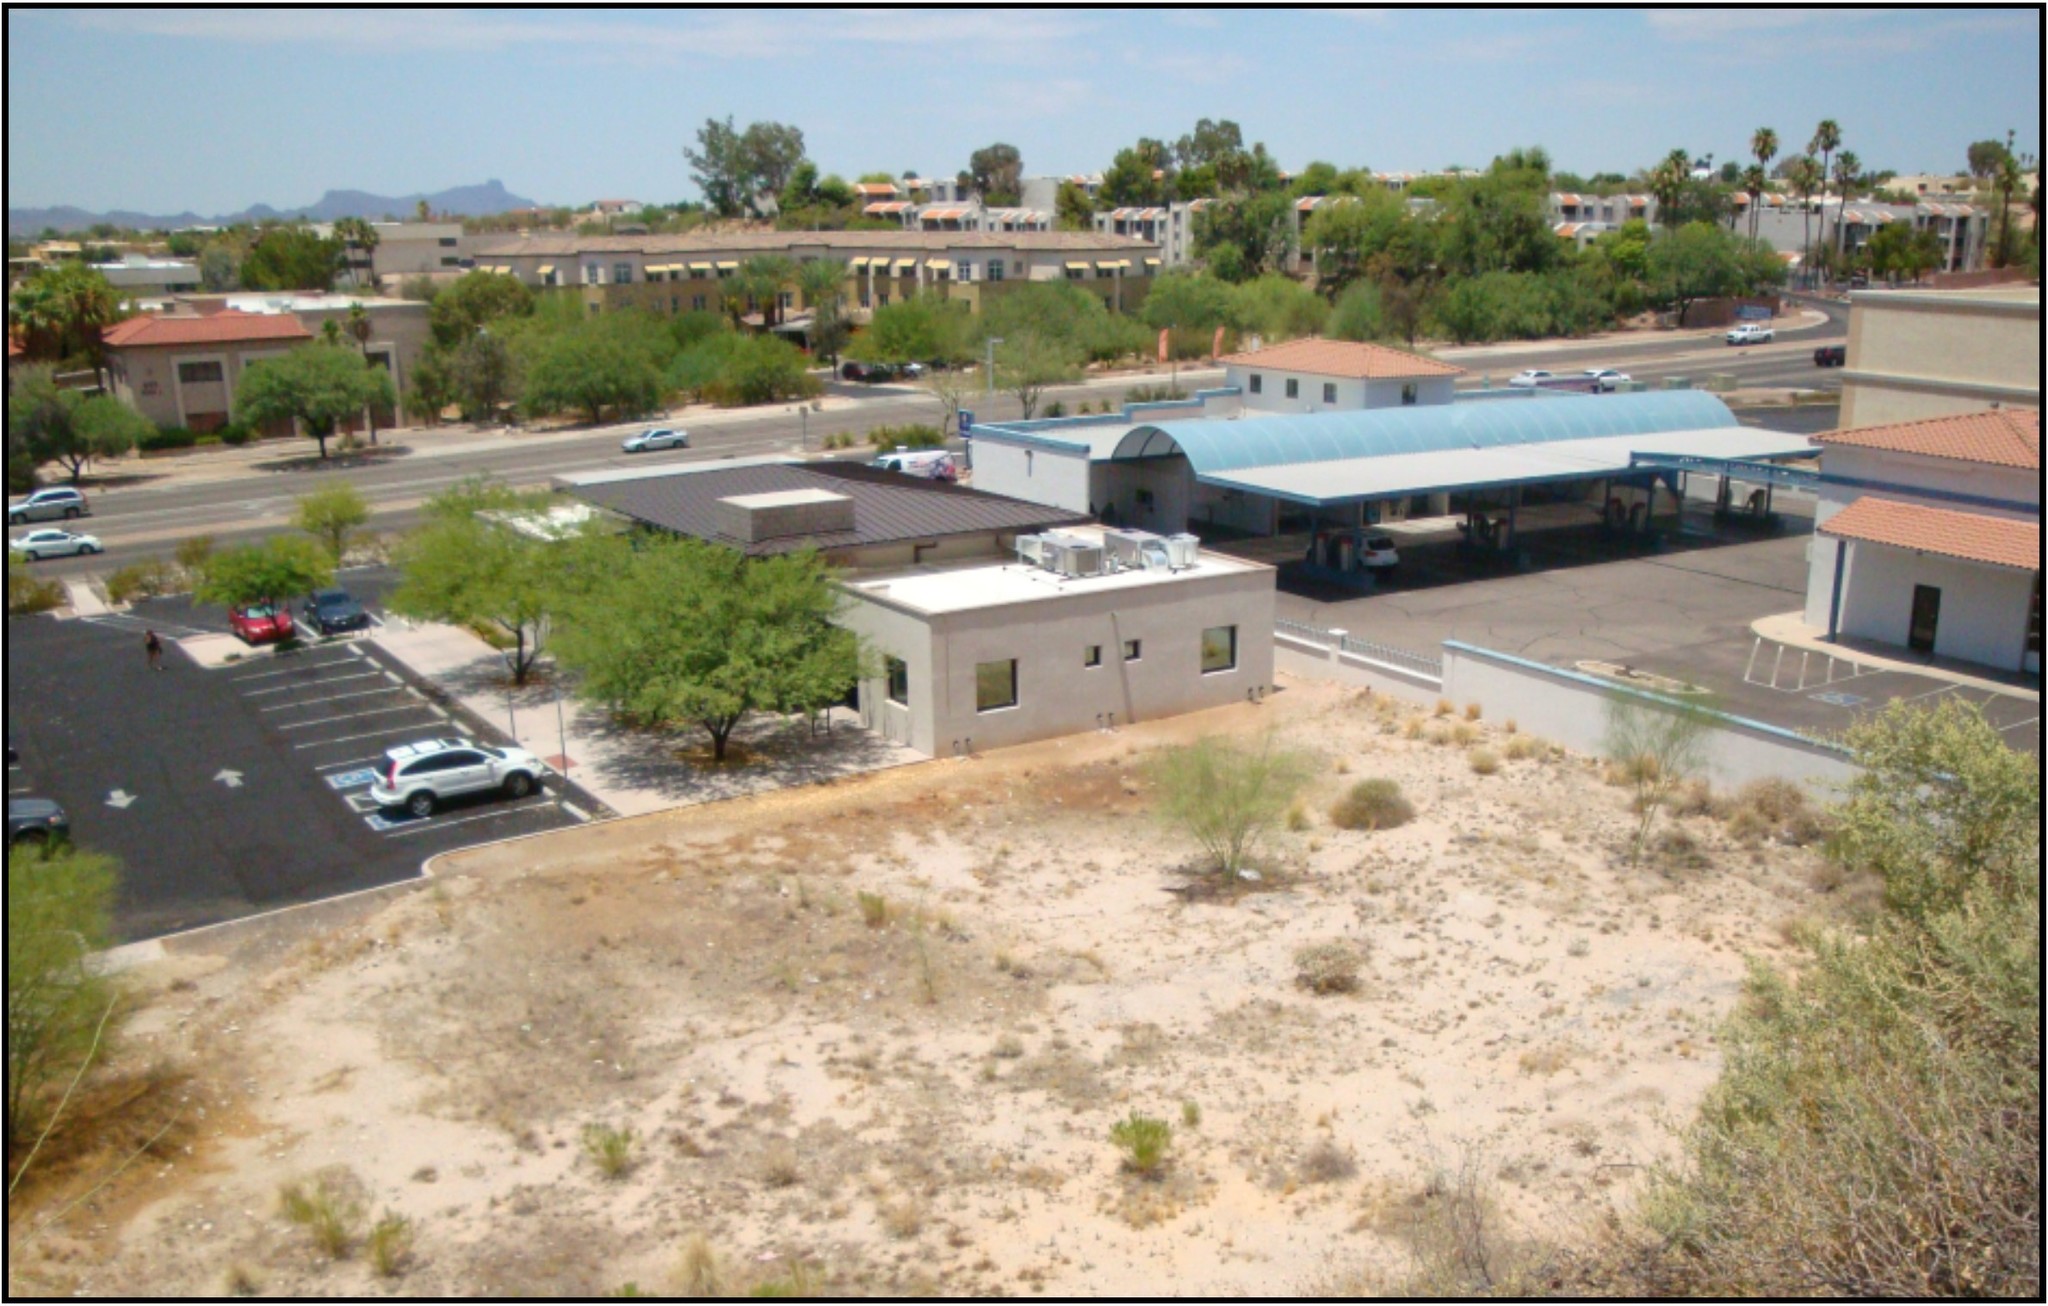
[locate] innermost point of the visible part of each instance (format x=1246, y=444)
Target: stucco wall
x=1351, y=394
x=1046, y=476
x=1983, y=609
x=1915, y=354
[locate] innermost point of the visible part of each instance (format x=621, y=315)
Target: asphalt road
x=139, y=513
x=234, y=791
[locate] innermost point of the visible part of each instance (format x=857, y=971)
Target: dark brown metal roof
x=888, y=507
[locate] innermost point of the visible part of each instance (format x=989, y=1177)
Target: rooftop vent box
x=1071, y=556
x=782, y=514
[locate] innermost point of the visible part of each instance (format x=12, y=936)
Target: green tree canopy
x=669, y=631
x=291, y=258
x=731, y=167
x=920, y=329
x=48, y=424
x=1141, y=174
x=467, y=568
x=1260, y=226
x=1072, y=208
x=593, y=367
x=1279, y=308
x=1028, y=361
x=331, y=514
x=59, y=912
x=997, y=173
x=268, y=572
x=320, y=386
x=476, y=299
x=1697, y=261
x=1190, y=301
x=61, y=310
x=1343, y=238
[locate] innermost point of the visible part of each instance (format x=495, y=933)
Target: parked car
x=868, y=372
x=1530, y=378
x=419, y=775
x=37, y=545
x=35, y=821
x=260, y=623
x=1831, y=356
x=1379, y=553
x=657, y=437
x=912, y=370
x=932, y=464
x=1606, y=379
x=1751, y=333
x=334, y=612
x=58, y=503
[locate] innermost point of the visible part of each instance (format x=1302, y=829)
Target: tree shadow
x=354, y=459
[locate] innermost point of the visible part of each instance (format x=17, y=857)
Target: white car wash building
x=1319, y=376
x=1083, y=629
x=1928, y=537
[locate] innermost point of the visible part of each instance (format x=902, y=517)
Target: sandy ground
x=922, y=1103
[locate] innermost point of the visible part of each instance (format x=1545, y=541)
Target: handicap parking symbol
x=1838, y=699
x=352, y=779
x=381, y=821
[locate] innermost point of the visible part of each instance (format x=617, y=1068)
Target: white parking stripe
x=286, y=671
x=330, y=680
x=369, y=734
x=351, y=716
x=2030, y=721
x=434, y=823
x=341, y=766
x=330, y=698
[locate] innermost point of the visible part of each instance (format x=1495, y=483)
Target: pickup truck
x=1831, y=355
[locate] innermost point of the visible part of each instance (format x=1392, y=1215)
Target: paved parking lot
x=229, y=792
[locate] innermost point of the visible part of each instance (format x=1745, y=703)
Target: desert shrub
x=142, y=580
x=1482, y=761
x=702, y=1272
x=1655, y=748
x=1776, y=809
x=779, y=1167
x=1876, y=1129
x=1523, y=747
x=193, y=553
x=1190, y=1114
x=1297, y=817
x=60, y=1008
x=874, y=909
x=389, y=1245
x=1327, y=967
x=27, y=593
x=911, y=435
x=1457, y=1242
x=1057, y=408
x=328, y=1209
x=1326, y=1163
x=1227, y=795
x=1376, y=804
x=236, y=434
x=609, y=1149
x=1444, y=707
x=1473, y=711
x=1464, y=734
x=1144, y=1141
x=167, y=437
x=1154, y=394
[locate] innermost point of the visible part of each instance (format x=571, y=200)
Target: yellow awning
x=905, y=264
x=1151, y=262
x=1077, y=267
x=700, y=267
x=656, y=269
x=547, y=269
x=860, y=262
x=937, y=264
x=728, y=265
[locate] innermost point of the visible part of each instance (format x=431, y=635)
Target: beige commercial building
x=999, y=652
x=406, y=249
x=1914, y=354
x=692, y=271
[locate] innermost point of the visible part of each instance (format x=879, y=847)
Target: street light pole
x=993, y=341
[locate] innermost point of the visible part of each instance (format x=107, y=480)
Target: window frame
x=1329, y=392
x=895, y=671
x=1091, y=656
x=1229, y=633
x=622, y=268
x=981, y=684
x=219, y=377
x=1294, y=387
x=1134, y=650
x=1257, y=382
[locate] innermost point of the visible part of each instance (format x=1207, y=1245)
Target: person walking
x=154, y=647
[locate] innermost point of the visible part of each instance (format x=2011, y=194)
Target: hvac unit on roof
x=1031, y=550
x=1066, y=555
x=1130, y=550
x=1183, y=550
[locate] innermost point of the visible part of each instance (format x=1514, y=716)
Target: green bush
x=1154, y=394
x=1144, y=1141
x=26, y=593
x=206, y=438
x=1372, y=805
x=143, y=580
x=237, y=434
x=167, y=437
x=914, y=435
x=61, y=1010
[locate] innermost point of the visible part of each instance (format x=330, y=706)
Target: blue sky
x=213, y=110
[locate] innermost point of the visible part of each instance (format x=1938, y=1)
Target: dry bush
x=390, y=1245
x=1482, y=761
x=1457, y=1244
x=1509, y=726
x=874, y=909
x=1776, y=809
x=779, y=1167
x=1444, y=707
x=1328, y=967
x=904, y=1217
x=1465, y=734
x=1523, y=747
x=1297, y=817
x=1472, y=712
x=1376, y=804
x=1412, y=728
x=1548, y=1060
x=701, y=1272
x=609, y=1149
x=1326, y=1163
x=329, y=1209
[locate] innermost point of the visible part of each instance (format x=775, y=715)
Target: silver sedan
x=659, y=437
x=37, y=545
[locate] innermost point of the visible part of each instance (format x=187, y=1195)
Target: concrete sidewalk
x=630, y=771
x=1791, y=630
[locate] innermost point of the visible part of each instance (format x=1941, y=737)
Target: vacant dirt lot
x=872, y=1037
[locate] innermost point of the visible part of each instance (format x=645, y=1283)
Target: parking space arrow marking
x=121, y=798
x=232, y=779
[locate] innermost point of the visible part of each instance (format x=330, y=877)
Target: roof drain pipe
x=1123, y=667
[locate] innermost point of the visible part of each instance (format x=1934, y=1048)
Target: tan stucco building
x=1915, y=354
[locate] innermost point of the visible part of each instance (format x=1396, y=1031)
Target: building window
x=447, y=242
x=675, y=303
x=622, y=274
x=198, y=373
x=1293, y=388
x=1219, y=649
x=696, y=303
x=1075, y=274
x=1133, y=649
x=592, y=274
x=964, y=271
x=1410, y=392
x=450, y=261
x=864, y=299
x=995, y=269
x=785, y=301
x=1258, y=384
x=995, y=685
x=881, y=299
x=899, y=681
x=1329, y=392
x=1092, y=656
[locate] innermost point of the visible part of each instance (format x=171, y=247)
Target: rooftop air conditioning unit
x=1072, y=558
x=1126, y=548
x=1183, y=550
x=1031, y=550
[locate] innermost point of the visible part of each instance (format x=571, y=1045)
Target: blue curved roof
x=1263, y=441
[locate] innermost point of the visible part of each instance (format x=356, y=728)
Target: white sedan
x=659, y=437
x=37, y=545
x=1749, y=333
x=1606, y=379
x=1530, y=378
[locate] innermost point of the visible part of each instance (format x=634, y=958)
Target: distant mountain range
x=468, y=201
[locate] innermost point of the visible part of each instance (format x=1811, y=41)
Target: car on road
x=932, y=464
x=1750, y=333
x=334, y=612
x=35, y=821
x=260, y=623
x=1379, y=553
x=1530, y=378
x=1831, y=356
x=1606, y=379
x=418, y=776
x=871, y=373
x=58, y=503
x=913, y=370
x=37, y=545
x=659, y=437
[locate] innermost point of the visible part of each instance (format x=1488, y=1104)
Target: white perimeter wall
x=1571, y=709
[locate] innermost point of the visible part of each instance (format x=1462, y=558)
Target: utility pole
x=993, y=341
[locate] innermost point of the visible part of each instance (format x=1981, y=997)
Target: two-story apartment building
x=693, y=271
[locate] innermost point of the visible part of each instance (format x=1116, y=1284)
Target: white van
x=932, y=464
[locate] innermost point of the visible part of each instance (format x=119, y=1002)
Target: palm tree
x=1827, y=138
x=1763, y=143
x=1667, y=181
x=1847, y=169
x=822, y=282
x=358, y=329
x=1804, y=177
x=355, y=234
x=61, y=312
x=763, y=279
x=1753, y=182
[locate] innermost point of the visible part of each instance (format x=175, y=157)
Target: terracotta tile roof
x=1999, y=541
x=740, y=243
x=224, y=327
x=1342, y=358
x=2002, y=437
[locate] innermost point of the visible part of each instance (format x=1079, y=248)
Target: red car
x=261, y=623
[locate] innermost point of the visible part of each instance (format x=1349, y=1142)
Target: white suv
x=417, y=776
x=1749, y=333
x=59, y=503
